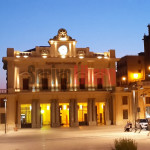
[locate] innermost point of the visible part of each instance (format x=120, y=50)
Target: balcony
x=56, y=89
x=3, y=91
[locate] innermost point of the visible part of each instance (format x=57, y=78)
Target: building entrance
x=26, y=115
x=45, y=114
x=82, y=114
x=64, y=114
x=100, y=111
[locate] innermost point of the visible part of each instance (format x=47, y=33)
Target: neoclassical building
x=58, y=85
x=62, y=85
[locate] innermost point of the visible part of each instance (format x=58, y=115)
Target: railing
x=63, y=90
x=3, y=91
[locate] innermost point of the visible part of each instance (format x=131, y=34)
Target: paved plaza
x=89, y=138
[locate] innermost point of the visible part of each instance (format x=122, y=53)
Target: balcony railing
x=3, y=91
x=64, y=90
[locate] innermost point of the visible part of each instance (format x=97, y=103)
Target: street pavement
x=80, y=138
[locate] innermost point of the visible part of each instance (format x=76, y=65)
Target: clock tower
x=62, y=45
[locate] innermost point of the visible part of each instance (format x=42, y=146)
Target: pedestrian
x=148, y=127
x=128, y=126
x=138, y=127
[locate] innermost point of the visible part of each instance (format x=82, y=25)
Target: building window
x=44, y=83
x=63, y=83
x=124, y=100
x=147, y=100
x=125, y=114
x=25, y=84
x=2, y=103
x=2, y=118
x=99, y=83
x=82, y=83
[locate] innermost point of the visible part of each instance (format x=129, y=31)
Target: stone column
x=38, y=115
x=18, y=113
x=107, y=118
x=73, y=113
x=34, y=116
x=55, y=113
x=91, y=112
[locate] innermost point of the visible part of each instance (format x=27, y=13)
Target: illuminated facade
x=59, y=85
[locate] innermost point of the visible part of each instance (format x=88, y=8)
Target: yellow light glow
x=80, y=106
x=124, y=78
x=63, y=39
x=99, y=57
x=47, y=107
x=135, y=76
x=74, y=43
x=30, y=107
x=18, y=56
x=25, y=56
x=17, y=90
x=52, y=41
x=81, y=57
x=63, y=56
x=64, y=107
x=102, y=106
x=42, y=111
x=105, y=57
x=148, y=67
x=44, y=56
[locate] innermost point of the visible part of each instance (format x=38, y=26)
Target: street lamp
x=5, y=100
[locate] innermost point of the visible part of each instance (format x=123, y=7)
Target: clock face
x=63, y=50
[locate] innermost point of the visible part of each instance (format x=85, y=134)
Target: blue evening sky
x=98, y=24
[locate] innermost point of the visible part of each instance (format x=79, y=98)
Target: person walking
x=148, y=127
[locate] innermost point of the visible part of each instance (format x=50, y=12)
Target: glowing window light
x=42, y=111
x=148, y=67
x=135, y=75
x=102, y=106
x=30, y=107
x=64, y=107
x=47, y=107
x=81, y=107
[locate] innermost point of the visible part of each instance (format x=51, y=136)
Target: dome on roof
x=62, y=30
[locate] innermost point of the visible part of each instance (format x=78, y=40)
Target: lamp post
x=5, y=100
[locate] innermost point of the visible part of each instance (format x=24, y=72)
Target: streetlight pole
x=5, y=100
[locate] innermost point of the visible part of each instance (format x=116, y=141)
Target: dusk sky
x=98, y=24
